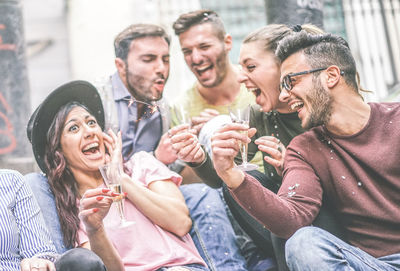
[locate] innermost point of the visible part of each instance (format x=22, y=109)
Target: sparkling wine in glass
x=111, y=173
x=182, y=115
x=242, y=116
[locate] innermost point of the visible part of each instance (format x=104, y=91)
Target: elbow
x=183, y=227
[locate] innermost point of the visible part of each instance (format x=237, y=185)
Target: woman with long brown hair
x=69, y=146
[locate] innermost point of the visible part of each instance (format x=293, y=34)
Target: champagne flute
x=182, y=115
x=242, y=116
x=111, y=173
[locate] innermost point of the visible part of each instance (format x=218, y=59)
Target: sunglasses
x=287, y=79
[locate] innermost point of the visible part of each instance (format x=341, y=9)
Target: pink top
x=144, y=245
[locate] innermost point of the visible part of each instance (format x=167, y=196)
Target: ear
x=228, y=42
x=333, y=75
x=121, y=67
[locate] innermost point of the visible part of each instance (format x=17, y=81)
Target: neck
x=225, y=92
x=87, y=180
x=350, y=114
x=283, y=108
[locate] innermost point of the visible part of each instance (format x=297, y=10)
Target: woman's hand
x=113, y=143
x=94, y=206
x=186, y=145
x=37, y=264
x=275, y=149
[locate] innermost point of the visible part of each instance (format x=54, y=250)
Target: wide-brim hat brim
x=76, y=91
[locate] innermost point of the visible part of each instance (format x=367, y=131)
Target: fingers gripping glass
x=242, y=116
x=112, y=174
x=287, y=79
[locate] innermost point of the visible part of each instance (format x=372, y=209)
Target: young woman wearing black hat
x=69, y=146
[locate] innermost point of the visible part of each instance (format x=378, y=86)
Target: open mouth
x=91, y=148
x=297, y=106
x=159, y=84
x=202, y=69
x=255, y=91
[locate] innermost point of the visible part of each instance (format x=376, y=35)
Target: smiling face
x=260, y=73
x=308, y=97
x=146, y=69
x=205, y=54
x=82, y=141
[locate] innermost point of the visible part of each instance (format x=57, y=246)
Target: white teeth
x=252, y=89
x=293, y=106
x=202, y=68
x=92, y=145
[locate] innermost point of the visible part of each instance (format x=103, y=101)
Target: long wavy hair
x=61, y=179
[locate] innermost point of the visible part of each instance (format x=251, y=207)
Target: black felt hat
x=79, y=91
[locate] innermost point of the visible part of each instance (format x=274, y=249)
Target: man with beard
x=338, y=158
x=205, y=46
x=132, y=101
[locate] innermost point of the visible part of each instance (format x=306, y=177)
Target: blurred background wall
x=63, y=40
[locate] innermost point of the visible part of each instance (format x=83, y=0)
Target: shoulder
x=385, y=108
x=10, y=177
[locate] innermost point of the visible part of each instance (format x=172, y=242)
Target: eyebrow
x=74, y=120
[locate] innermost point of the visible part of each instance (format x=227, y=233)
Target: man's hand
x=164, y=152
x=199, y=121
x=186, y=144
x=275, y=149
x=225, y=147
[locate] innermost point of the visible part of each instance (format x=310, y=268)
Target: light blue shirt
x=23, y=233
x=137, y=135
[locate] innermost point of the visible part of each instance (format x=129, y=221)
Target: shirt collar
x=120, y=91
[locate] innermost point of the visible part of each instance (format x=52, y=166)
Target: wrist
x=93, y=232
x=232, y=177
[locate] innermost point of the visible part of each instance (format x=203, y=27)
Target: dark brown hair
x=61, y=180
x=124, y=39
x=187, y=20
x=321, y=50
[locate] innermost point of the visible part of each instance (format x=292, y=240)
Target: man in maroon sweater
x=350, y=156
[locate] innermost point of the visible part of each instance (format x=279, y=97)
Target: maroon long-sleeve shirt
x=358, y=174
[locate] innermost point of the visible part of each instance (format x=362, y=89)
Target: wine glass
x=242, y=116
x=182, y=115
x=111, y=173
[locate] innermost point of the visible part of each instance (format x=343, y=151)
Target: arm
x=154, y=191
x=35, y=245
x=93, y=207
x=296, y=205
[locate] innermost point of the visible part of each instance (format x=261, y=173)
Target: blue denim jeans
x=312, y=248
x=211, y=232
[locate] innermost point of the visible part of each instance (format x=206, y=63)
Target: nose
x=242, y=76
x=160, y=66
x=196, y=56
x=89, y=131
x=284, y=96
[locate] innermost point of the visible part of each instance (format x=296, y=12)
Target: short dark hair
x=321, y=51
x=187, y=20
x=123, y=40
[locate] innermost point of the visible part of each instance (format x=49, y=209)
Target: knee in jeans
x=80, y=259
x=302, y=243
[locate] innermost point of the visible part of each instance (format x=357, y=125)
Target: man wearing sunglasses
x=349, y=156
